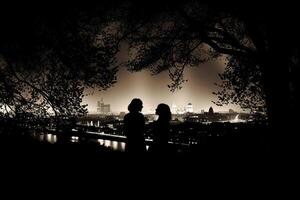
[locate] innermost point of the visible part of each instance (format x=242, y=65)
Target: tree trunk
x=275, y=69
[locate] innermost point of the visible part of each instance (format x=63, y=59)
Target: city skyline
x=153, y=89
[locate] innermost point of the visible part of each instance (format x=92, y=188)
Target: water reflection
x=115, y=145
x=122, y=145
x=46, y=137
x=107, y=143
x=41, y=137
x=101, y=142
x=52, y=138
x=74, y=139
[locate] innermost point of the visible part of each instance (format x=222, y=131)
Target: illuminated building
x=189, y=108
x=103, y=108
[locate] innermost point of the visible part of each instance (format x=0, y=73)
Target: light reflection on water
x=74, y=139
x=46, y=137
x=41, y=137
x=115, y=145
x=52, y=138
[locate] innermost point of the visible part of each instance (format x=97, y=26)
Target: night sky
x=153, y=90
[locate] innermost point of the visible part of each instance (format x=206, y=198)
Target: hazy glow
x=237, y=120
x=153, y=90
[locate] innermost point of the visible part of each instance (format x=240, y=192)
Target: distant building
x=180, y=111
x=189, y=108
x=103, y=108
x=174, y=109
x=202, y=111
x=106, y=108
x=211, y=111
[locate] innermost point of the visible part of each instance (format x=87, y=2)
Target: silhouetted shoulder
x=135, y=116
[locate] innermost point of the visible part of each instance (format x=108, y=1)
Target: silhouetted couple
x=134, y=128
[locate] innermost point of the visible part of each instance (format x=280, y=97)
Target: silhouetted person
x=134, y=125
x=161, y=129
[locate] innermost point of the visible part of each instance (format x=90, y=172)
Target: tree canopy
x=48, y=56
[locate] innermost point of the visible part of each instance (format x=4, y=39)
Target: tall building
x=189, y=108
x=103, y=108
x=211, y=111
x=106, y=108
x=231, y=111
x=202, y=111
x=174, y=109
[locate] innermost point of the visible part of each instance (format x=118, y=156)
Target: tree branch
x=33, y=87
x=230, y=40
x=219, y=49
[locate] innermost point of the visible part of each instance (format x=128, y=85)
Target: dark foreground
x=27, y=150
x=73, y=168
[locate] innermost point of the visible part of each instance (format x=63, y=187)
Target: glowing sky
x=153, y=90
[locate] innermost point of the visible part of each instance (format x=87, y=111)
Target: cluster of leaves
x=187, y=35
x=241, y=85
x=52, y=90
x=47, y=66
x=44, y=72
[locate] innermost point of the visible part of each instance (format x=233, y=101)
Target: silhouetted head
x=164, y=112
x=135, y=105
